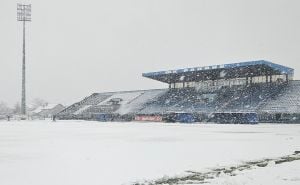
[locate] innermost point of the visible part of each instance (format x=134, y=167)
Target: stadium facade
x=245, y=92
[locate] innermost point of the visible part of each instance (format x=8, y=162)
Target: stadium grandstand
x=246, y=92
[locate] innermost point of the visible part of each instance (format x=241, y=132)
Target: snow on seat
x=286, y=102
x=82, y=106
x=82, y=109
x=122, y=98
x=139, y=102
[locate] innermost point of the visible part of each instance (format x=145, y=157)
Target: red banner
x=148, y=118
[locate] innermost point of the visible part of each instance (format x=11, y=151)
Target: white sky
x=75, y=48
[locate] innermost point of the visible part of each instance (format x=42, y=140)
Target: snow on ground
x=282, y=174
x=78, y=152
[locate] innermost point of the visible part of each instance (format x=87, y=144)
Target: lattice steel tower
x=24, y=15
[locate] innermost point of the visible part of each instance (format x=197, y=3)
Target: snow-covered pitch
x=87, y=153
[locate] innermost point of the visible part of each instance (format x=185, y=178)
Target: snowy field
x=88, y=153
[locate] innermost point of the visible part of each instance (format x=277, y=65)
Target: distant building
x=47, y=111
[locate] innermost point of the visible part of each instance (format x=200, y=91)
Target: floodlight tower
x=24, y=15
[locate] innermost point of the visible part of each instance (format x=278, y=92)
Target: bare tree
x=4, y=109
x=17, y=108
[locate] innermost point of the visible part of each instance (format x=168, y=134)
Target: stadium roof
x=224, y=71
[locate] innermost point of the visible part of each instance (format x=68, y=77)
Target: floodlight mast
x=24, y=15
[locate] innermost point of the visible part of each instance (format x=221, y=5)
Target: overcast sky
x=75, y=48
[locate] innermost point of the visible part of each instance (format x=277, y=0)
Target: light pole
x=24, y=15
